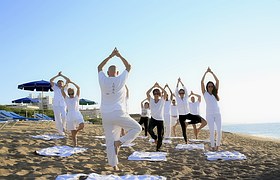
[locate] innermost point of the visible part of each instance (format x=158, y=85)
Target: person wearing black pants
x=145, y=115
x=185, y=117
x=160, y=131
x=157, y=107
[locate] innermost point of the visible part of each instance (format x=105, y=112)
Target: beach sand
x=18, y=160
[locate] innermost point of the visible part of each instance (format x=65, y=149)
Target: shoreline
x=18, y=160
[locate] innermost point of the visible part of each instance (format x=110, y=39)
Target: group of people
x=66, y=107
x=161, y=110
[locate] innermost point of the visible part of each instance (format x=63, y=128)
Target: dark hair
x=156, y=90
x=181, y=90
x=215, y=90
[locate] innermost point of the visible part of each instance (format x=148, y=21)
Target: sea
x=265, y=130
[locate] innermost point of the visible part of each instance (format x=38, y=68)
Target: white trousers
x=167, y=125
x=112, y=124
x=212, y=120
x=60, y=118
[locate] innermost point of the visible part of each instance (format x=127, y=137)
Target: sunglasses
x=156, y=93
x=210, y=86
x=182, y=93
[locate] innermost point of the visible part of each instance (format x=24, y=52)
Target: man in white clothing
x=195, y=109
x=59, y=106
x=114, y=110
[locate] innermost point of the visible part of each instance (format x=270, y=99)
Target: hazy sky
x=163, y=40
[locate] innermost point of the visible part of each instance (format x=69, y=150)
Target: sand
x=18, y=160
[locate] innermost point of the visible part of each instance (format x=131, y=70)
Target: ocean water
x=269, y=130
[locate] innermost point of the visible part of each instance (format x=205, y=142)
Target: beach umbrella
x=43, y=86
x=26, y=100
x=86, y=102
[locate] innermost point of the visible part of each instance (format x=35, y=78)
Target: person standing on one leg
x=213, y=115
x=157, y=107
x=167, y=116
x=185, y=117
x=59, y=106
x=113, y=108
x=145, y=115
x=194, y=109
x=75, y=120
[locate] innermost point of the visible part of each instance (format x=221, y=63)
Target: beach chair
x=3, y=123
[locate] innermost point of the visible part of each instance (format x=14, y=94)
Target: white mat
x=142, y=137
x=99, y=137
x=148, y=156
x=123, y=145
x=224, y=155
x=164, y=141
x=189, y=146
x=199, y=140
x=62, y=151
x=94, y=176
x=48, y=137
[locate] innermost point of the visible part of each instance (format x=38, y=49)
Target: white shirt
x=182, y=104
x=194, y=107
x=212, y=106
x=72, y=103
x=174, y=110
x=113, y=93
x=58, y=99
x=157, y=109
x=145, y=112
x=167, y=105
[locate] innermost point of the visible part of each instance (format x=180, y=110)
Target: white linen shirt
x=182, y=104
x=113, y=93
x=72, y=103
x=58, y=99
x=157, y=109
x=194, y=107
x=212, y=106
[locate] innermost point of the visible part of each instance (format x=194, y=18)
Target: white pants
x=212, y=120
x=174, y=120
x=167, y=125
x=60, y=118
x=112, y=124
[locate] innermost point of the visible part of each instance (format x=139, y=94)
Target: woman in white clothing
x=145, y=115
x=167, y=116
x=213, y=114
x=75, y=121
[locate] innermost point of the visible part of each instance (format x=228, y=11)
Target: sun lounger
x=3, y=123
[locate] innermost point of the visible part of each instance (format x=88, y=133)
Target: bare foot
x=217, y=148
x=116, y=168
x=155, y=141
x=117, y=145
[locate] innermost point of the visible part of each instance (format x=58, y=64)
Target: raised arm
x=216, y=79
x=142, y=103
x=104, y=62
x=164, y=93
x=148, y=93
x=77, y=87
x=202, y=82
x=127, y=91
x=59, y=74
x=63, y=91
x=171, y=94
x=197, y=95
x=53, y=78
x=126, y=64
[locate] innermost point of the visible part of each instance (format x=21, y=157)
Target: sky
x=162, y=40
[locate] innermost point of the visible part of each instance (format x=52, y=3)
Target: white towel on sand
x=99, y=137
x=225, y=155
x=189, y=146
x=164, y=141
x=62, y=151
x=123, y=145
x=148, y=156
x=199, y=140
x=48, y=137
x=94, y=176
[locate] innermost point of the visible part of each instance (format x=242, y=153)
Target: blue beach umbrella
x=86, y=102
x=26, y=100
x=43, y=86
